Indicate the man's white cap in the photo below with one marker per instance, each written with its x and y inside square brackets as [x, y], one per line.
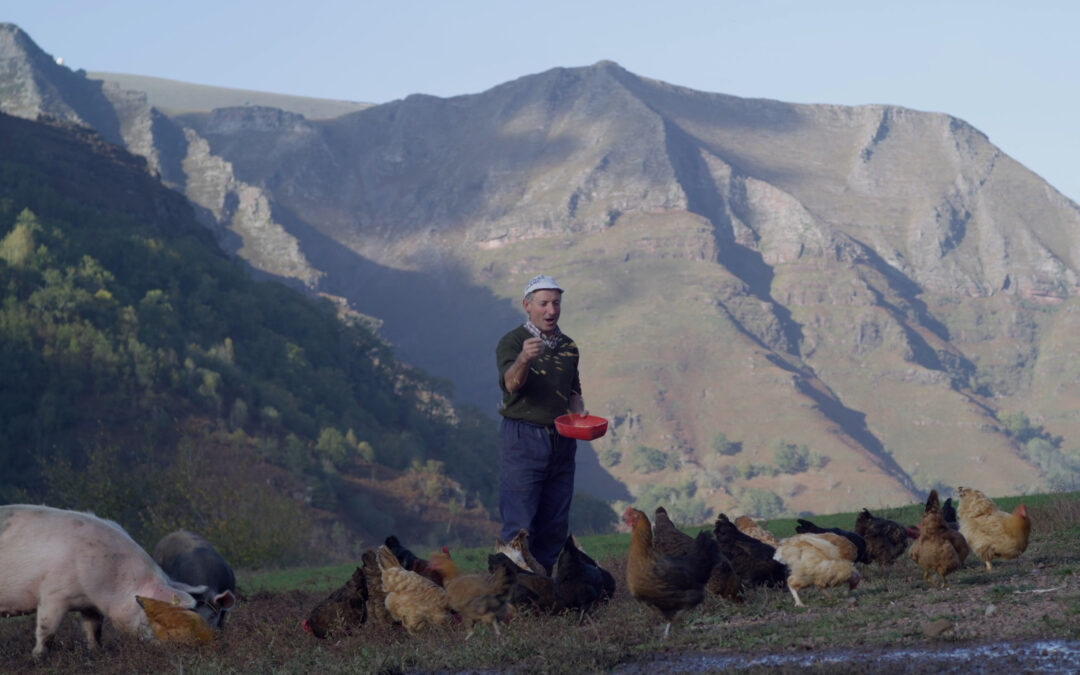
[542, 282]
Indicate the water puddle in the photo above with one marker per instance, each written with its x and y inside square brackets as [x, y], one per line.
[1046, 656]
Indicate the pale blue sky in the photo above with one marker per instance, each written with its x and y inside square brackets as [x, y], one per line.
[1013, 72]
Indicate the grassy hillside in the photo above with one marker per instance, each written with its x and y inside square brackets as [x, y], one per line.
[256, 415]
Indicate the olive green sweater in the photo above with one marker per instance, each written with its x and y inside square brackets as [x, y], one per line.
[553, 377]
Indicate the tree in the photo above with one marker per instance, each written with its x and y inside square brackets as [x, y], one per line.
[723, 446]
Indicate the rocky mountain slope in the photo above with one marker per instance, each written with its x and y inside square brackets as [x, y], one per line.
[855, 298]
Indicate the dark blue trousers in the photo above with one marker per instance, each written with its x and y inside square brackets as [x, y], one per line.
[536, 484]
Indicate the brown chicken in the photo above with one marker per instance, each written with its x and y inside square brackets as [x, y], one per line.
[670, 541]
[939, 548]
[990, 532]
[748, 527]
[376, 597]
[477, 598]
[172, 623]
[532, 592]
[669, 584]
[751, 560]
[823, 560]
[342, 610]
[412, 599]
[886, 540]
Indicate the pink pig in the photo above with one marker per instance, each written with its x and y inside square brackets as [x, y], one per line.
[54, 561]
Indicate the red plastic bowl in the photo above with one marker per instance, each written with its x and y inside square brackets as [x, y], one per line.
[581, 427]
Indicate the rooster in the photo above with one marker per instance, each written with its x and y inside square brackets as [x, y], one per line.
[669, 584]
[344, 608]
[823, 560]
[886, 540]
[748, 527]
[579, 581]
[173, 623]
[477, 598]
[990, 532]
[670, 541]
[532, 591]
[412, 599]
[751, 560]
[807, 527]
[939, 548]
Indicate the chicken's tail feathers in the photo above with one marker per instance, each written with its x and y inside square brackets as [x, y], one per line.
[932, 502]
[386, 559]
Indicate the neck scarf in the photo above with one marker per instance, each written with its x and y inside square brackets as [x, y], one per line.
[549, 342]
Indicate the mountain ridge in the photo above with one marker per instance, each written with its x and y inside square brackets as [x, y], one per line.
[870, 282]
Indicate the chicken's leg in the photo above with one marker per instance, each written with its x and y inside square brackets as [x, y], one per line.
[795, 594]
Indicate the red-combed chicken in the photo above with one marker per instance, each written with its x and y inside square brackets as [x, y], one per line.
[669, 584]
[823, 560]
[990, 532]
[748, 527]
[477, 598]
[412, 599]
[172, 623]
[939, 549]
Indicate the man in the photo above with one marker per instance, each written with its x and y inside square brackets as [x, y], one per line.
[538, 375]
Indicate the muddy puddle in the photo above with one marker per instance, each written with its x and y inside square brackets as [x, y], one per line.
[1046, 656]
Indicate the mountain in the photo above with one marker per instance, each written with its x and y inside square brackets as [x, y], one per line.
[179, 98]
[781, 307]
[151, 379]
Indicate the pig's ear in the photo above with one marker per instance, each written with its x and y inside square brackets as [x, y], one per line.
[225, 600]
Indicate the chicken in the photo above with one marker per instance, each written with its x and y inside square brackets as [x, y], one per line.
[824, 560]
[172, 623]
[748, 527]
[477, 598]
[376, 597]
[532, 591]
[886, 540]
[412, 562]
[939, 548]
[807, 527]
[669, 584]
[343, 609]
[990, 532]
[948, 512]
[412, 599]
[670, 541]
[751, 560]
[512, 554]
[520, 543]
[579, 581]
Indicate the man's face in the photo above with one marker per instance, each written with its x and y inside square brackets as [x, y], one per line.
[544, 309]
